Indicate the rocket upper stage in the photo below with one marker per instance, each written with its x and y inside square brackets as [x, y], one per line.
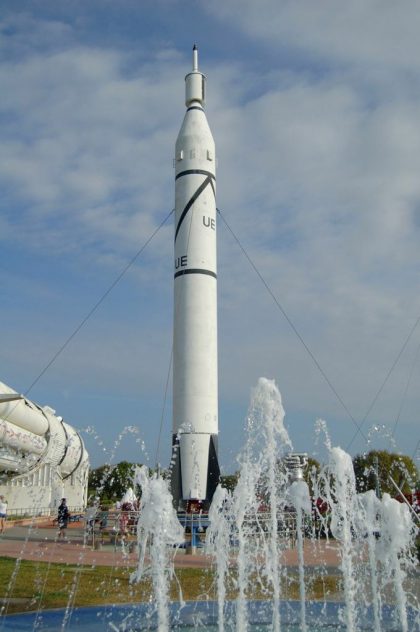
[195, 183]
[195, 387]
[195, 83]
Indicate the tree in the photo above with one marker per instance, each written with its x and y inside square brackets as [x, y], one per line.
[229, 481]
[110, 482]
[401, 468]
[311, 472]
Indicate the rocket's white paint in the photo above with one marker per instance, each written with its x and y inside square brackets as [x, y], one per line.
[195, 387]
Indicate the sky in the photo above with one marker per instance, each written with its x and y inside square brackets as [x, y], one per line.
[314, 108]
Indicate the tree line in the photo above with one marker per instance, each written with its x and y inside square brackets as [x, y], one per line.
[374, 470]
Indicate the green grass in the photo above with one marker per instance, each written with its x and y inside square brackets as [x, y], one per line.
[45, 586]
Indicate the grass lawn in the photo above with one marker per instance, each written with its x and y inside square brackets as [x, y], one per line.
[41, 586]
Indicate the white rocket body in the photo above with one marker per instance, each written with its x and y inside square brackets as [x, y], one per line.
[31, 435]
[195, 386]
[42, 458]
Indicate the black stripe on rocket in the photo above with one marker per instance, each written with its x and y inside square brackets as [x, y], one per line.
[195, 271]
[189, 172]
[198, 192]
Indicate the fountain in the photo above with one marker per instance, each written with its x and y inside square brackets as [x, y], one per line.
[250, 531]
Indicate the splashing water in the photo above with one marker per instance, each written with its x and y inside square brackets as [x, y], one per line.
[397, 536]
[341, 497]
[250, 516]
[218, 544]
[299, 496]
[158, 528]
[247, 539]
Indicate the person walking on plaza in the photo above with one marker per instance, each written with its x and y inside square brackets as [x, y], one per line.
[3, 513]
[62, 518]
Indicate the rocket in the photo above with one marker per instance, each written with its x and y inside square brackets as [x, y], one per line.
[195, 467]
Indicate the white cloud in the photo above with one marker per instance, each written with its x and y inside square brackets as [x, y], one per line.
[324, 194]
[361, 32]
[82, 134]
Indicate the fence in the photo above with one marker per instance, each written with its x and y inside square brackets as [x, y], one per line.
[38, 512]
[125, 522]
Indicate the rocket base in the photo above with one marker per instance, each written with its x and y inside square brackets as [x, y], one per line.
[185, 491]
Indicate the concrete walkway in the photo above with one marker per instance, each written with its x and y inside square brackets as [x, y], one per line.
[39, 543]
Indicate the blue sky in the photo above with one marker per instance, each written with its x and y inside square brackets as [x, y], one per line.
[314, 109]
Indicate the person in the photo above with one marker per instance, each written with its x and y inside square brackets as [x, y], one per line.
[103, 520]
[62, 518]
[90, 516]
[3, 513]
[123, 519]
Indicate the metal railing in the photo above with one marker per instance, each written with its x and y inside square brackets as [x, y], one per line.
[118, 525]
[38, 512]
[259, 524]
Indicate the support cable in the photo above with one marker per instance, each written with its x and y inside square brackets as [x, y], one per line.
[416, 357]
[98, 303]
[162, 416]
[416, 453]
[384, 382]
[293, 327]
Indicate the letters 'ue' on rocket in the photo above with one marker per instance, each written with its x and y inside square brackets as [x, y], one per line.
[195, 466]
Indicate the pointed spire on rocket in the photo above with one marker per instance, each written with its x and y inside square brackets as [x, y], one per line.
[195, 58]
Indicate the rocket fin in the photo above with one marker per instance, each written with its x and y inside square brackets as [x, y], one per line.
[176, 474]
[213, 471]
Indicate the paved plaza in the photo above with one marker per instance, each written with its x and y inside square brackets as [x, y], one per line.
[39, 542]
